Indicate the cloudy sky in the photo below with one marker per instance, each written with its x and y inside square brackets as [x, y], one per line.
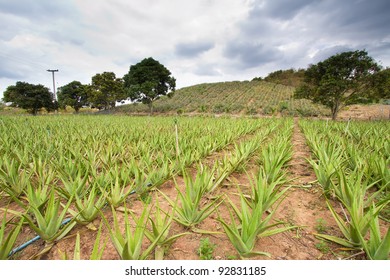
[198, 41]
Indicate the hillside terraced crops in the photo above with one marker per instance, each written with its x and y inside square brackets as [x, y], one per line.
[110, 187]
[255, 97]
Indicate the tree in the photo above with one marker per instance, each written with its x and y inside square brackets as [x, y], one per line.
[105, 90]
[380, 85]
[74, 94]
[30, 97]
[289, 77]
[340, 80]
[147, 81]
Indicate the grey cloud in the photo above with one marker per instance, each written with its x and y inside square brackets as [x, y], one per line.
[37, 9]
[9, 73]
[193, 49]
[359, 20]
[251, 54]
[328, 52]
[280, 9]
[59, 21]
[206, 70]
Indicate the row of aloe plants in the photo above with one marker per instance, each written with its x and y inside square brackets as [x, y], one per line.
[354, 171]
[252, 220]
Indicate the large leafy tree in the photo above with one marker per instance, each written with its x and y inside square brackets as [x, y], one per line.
[340, 80]
[74, 94]
[30, 97]
[105, 89]
[147, 81]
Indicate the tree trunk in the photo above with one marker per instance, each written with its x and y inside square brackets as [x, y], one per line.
[335, 110]
[150, 108]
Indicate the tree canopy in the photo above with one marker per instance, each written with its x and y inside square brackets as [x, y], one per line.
[74, 94]
[380, 85]
[289, 77]
[106, 88]
[30, 97]
[147, 81]
[340, 80]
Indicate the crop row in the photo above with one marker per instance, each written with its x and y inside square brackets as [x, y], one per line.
[351, 161]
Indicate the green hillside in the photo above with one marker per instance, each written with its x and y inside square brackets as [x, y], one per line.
[247, 97]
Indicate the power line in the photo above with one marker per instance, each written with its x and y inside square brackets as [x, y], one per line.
[21, 60]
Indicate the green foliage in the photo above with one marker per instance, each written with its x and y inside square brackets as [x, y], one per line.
[48, 223]
[147, 81]
[88, 206]
[13, 177]
[321, 225]
[323, 247]
[105, 89]
[96, 253]
[380, 85]
[7, 242]
[30, 97]
[251, 225]
[190, 211]
[289, 77]
[129, 244]
[74, 94]
[206, 249]
[161, 223]
[338, 80]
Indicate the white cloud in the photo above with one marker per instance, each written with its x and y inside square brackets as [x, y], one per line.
[198, 41]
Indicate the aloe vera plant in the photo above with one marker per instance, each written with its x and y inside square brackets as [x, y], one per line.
[274, 158]
[73, 186]
[37, 196]
[376, 248]
[13, 177]
[7, 242]
[88, 207]
[117, 193]
[129, 244]
[49, 223]
[263, 192]
[189, 211]
[356, 222]
[161, 223]
[97, 251]
[244, 234]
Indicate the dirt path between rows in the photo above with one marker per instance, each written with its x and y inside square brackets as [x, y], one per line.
[304, 207]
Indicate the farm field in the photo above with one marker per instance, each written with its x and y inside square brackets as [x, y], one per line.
[119, 187]
[237, 97]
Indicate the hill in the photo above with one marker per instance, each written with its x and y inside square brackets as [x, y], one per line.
[246, 97]
[289, 77]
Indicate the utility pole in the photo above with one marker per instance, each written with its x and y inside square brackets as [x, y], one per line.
[54, 84]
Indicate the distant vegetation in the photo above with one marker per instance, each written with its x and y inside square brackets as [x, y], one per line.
[247, 97]
[289, 77]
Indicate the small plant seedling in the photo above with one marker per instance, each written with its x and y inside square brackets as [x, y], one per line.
[323, 247]
[206, 249]
[321, 226]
